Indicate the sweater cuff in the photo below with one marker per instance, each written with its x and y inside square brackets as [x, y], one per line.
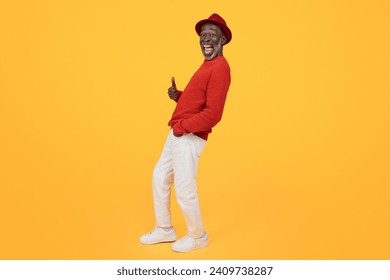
[179, 129]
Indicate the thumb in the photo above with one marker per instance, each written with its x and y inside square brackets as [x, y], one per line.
[173, 82]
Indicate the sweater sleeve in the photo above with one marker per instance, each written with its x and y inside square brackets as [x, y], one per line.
[217, 90]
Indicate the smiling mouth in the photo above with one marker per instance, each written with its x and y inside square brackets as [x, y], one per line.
[208, 49]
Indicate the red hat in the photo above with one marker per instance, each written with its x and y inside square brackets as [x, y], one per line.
[217, 20]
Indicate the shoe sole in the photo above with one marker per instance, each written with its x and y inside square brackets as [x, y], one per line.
[185, 251]
[162, 241]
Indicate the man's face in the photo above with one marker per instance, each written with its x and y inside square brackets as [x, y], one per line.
[211, 40]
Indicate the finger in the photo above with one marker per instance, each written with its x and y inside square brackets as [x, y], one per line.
[172, 92]
[173, 82]
[172, 95]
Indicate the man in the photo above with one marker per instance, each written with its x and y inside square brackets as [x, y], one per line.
[199, 108]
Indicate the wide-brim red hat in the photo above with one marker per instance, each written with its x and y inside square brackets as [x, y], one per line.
[220, 22]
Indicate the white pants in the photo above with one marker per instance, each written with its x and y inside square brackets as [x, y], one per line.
[178, 165]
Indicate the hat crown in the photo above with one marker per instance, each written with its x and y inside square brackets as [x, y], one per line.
[217, 18]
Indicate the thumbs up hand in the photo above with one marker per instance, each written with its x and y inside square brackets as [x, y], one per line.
[172, 91]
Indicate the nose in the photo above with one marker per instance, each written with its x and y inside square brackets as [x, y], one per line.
[206, 40]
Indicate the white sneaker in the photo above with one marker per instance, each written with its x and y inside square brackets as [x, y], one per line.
[158, 235]
[188, 243]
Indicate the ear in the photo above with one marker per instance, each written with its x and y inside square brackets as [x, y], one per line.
[223, 40]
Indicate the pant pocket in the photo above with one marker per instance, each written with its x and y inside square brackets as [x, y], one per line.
[198, 144]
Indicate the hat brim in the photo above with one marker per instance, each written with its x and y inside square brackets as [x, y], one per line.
[226, 31]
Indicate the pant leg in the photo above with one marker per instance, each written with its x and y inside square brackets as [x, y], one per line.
[162, 181]
[186, 152]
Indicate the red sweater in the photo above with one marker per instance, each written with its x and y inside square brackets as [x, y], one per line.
[200, 106]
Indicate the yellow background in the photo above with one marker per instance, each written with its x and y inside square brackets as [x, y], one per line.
[297, 169]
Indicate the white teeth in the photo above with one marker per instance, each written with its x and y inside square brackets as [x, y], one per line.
[208, 49]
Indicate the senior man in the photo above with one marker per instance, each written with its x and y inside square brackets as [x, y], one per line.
[199, 108]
